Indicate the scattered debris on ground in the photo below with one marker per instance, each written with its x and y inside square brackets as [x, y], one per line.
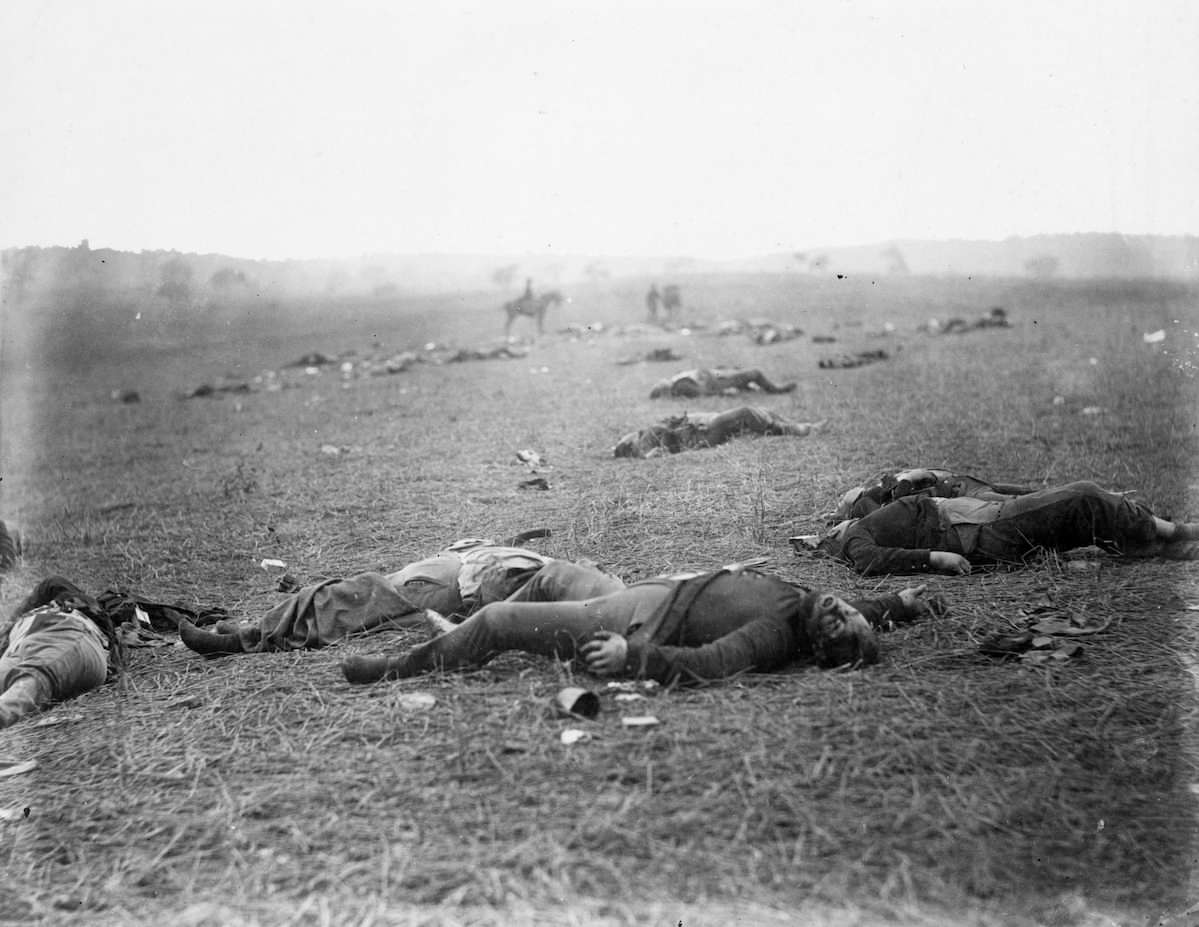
[1045, 633]
[350, 365]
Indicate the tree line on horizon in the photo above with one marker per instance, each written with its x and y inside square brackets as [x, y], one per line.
[183, 278]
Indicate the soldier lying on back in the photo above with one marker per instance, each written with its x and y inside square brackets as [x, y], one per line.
[690, 629]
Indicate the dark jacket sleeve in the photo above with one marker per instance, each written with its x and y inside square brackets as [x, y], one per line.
[762, 645]
[1013, 489]
[868, 557]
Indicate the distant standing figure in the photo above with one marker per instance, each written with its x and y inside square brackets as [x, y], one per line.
[528, 293]
[653, 301]
[672, 301]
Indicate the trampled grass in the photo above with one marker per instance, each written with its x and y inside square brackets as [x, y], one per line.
[938, 787]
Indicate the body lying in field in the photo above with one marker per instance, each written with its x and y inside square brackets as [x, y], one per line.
[996, 317]
[917, 533]
[687, 629]
[693, 430]
[921, 481]
[57, 644]
[716, 381]
[457, 580]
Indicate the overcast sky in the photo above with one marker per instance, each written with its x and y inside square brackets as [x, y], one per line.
[716, 129]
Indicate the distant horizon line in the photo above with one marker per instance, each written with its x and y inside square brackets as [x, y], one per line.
[676, 256]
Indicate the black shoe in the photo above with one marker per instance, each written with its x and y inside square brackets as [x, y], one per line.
[362, 669]
[1184, 531]
[209, 643]
[1180, 550]
[1006, 645]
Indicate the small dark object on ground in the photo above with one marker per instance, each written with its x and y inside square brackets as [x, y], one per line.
[207, 390]
[312, 359]
[531, 535]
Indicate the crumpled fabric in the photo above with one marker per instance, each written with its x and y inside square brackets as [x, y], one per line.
[325, 612]
[458, 580]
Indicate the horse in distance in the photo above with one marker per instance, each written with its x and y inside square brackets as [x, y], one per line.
[532, 306]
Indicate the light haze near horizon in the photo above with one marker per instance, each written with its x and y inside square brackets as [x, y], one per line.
[717, 129]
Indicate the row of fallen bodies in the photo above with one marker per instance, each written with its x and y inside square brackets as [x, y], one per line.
[477, 599]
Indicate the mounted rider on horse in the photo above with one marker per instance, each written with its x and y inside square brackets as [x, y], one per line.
[533, 306]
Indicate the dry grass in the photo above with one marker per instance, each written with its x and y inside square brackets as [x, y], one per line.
[939, 787]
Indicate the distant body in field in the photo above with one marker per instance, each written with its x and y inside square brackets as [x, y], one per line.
[693, 430]
[996, 317]
[716, 381]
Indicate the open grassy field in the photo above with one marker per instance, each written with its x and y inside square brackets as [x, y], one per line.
[938, 787]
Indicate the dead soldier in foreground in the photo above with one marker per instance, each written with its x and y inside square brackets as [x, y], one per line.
[923, 532]
[691, 629]
[922, 481]
[457, 580]
[57, 644]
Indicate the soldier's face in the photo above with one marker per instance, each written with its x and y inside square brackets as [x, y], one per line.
[840, 634]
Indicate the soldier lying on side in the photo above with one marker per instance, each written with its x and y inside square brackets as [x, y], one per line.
[919, 532]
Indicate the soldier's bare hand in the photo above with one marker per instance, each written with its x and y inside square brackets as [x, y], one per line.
[605, 654]
[946, 562]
